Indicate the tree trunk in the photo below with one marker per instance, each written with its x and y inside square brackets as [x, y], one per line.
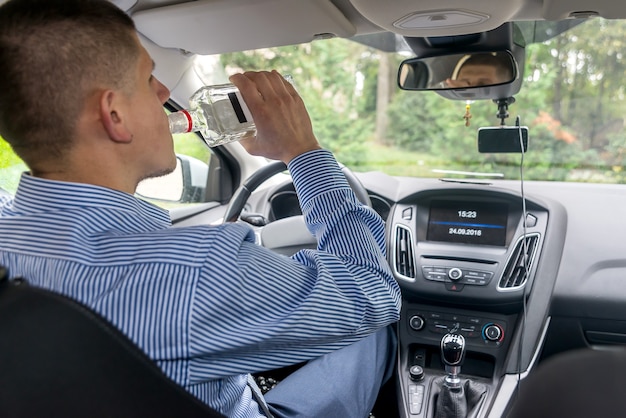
[383, 97]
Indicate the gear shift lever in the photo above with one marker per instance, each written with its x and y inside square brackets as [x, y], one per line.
[457, 399]
[453, 353]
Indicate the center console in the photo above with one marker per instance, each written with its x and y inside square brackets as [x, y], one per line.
[465, 260]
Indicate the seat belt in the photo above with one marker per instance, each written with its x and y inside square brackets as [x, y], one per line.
[258, 396]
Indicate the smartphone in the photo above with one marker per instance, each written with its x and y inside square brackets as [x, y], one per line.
[495, 139]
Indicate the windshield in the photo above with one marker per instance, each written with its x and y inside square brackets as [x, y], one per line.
[572, 100]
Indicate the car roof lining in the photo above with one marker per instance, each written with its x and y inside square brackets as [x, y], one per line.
[209, 26]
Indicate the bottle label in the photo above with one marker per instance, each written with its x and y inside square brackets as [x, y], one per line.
[239, 106]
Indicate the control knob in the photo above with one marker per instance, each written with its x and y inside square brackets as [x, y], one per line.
[455, 273]
[493, 332]
[417, 322]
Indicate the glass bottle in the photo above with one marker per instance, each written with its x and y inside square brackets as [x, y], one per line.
[218, 112]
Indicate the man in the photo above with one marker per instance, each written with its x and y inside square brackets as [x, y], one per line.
[484, 69]
[79, 104]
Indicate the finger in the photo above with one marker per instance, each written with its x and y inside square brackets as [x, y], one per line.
[248, 89]
[281, 85]
[263, 82]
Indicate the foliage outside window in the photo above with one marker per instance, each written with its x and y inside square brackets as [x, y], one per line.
[11, 167]
[572, 99]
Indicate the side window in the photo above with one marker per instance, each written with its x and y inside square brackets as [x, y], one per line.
[11, 168]
[187, 184]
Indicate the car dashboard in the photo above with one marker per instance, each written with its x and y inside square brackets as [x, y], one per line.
[465, 256]
[522, 271]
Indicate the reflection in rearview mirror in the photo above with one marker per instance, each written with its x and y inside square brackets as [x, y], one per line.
[457, 71]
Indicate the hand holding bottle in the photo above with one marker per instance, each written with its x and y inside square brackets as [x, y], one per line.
[283, 125]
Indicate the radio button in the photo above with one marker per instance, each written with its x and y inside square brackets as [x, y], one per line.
[477, 277]
[437, 274]
[455, 273]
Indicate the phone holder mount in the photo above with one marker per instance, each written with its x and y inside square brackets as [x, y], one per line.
[503, 139]
[503, 108]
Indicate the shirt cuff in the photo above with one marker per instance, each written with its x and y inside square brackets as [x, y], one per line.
[314, 173]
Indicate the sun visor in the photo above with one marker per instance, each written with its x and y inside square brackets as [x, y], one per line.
[218, 26]
[170, 64]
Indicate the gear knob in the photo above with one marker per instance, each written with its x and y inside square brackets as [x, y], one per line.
[453, 349]
[452, 354]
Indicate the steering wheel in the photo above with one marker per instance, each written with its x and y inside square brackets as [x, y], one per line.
[288, 235]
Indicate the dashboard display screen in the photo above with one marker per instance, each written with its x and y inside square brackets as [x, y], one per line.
[468, 222]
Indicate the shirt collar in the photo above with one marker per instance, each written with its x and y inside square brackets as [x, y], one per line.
[36, 195]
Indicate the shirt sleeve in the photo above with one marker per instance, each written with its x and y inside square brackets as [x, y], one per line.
[255, 310]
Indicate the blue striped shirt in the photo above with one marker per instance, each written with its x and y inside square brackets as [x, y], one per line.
[194, 298]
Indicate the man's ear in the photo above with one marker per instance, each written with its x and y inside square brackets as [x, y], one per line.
[113, 117]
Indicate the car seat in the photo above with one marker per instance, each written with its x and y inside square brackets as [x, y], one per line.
[60, 359]
[580, 383]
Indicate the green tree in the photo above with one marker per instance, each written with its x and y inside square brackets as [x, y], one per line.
[11, 167]
[329, 76]
[561, 78]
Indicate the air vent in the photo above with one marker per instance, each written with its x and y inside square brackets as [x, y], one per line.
[404, 253]
[519, 265]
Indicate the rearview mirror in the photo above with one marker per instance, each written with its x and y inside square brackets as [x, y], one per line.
[466, 71]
